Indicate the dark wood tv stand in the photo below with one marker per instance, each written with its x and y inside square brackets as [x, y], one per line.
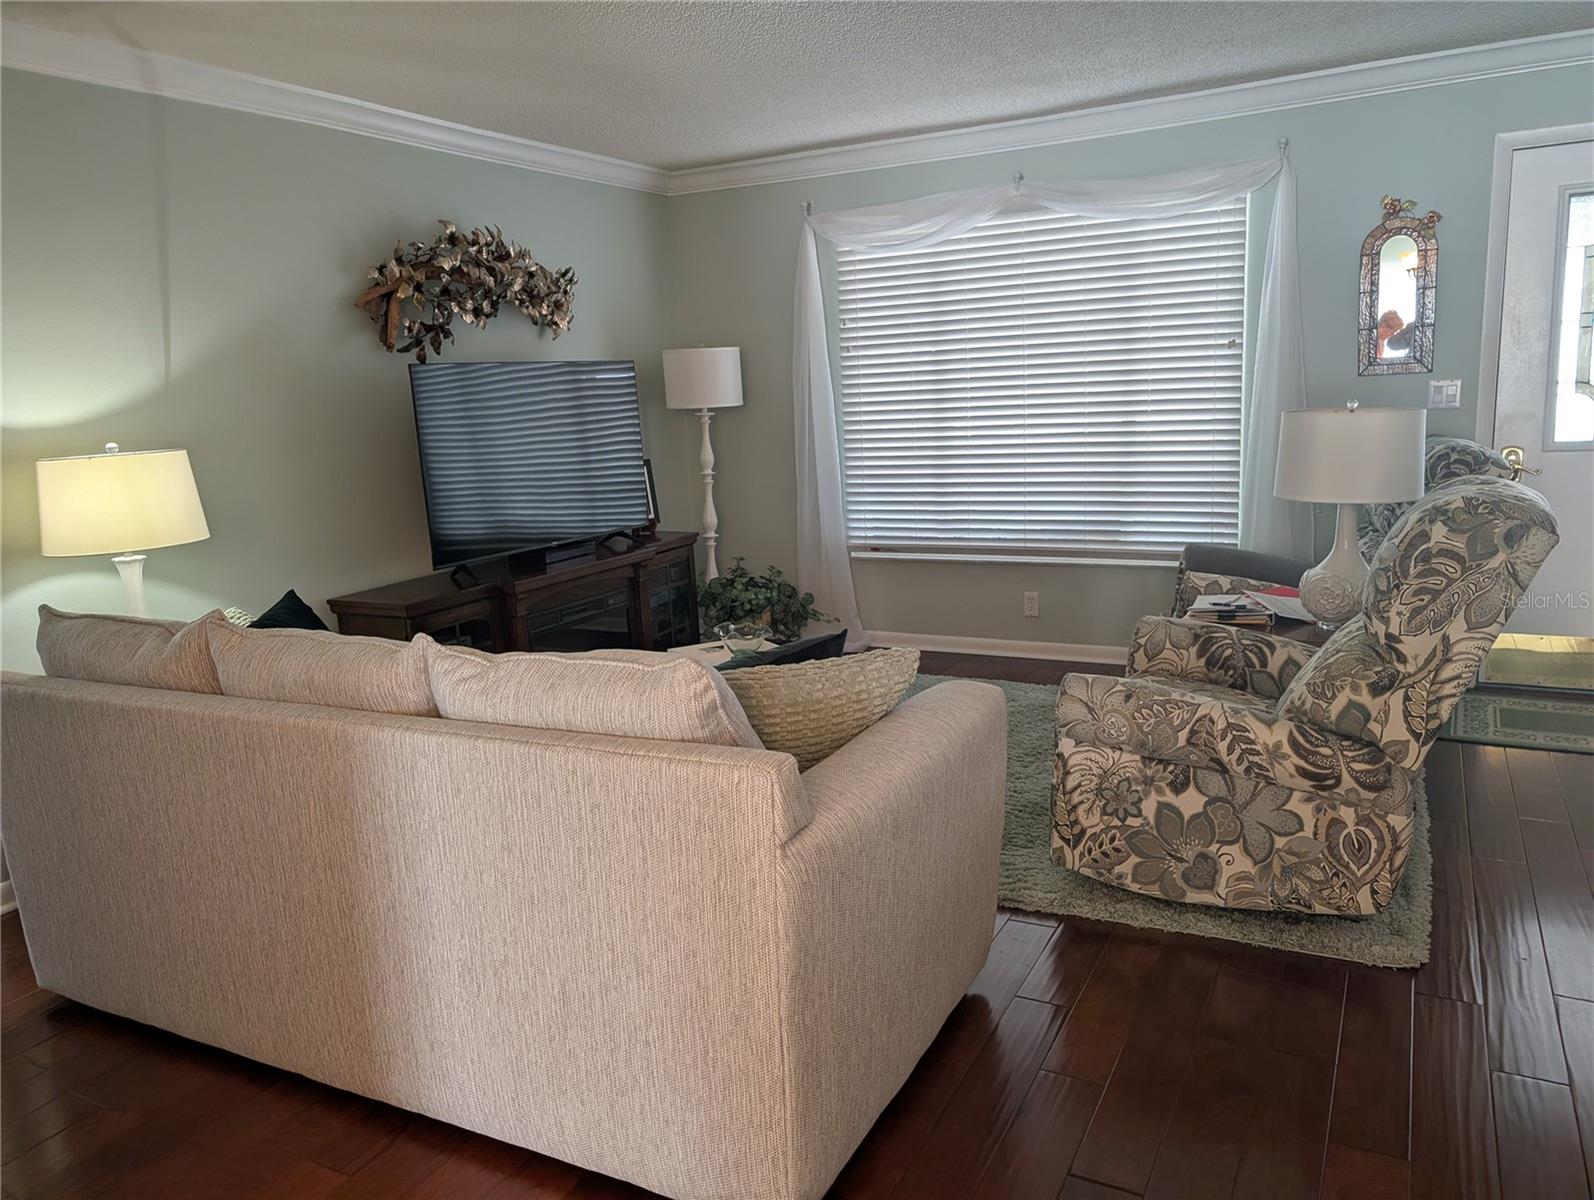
[641, 596]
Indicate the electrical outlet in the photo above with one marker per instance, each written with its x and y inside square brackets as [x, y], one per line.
[1032, 604]
[1444, 393]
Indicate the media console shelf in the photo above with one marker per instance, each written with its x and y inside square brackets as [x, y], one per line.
[641, 597]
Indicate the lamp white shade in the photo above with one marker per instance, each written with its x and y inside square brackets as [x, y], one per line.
[113, 503]
[1351, 456]
[704, 377]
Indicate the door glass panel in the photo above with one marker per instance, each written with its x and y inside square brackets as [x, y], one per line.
[1573, 400]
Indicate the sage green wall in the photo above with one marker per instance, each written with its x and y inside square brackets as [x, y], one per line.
[181, 275]
[734, 252]
[176, 274]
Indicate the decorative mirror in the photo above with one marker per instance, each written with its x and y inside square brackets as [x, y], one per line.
[1400, 267]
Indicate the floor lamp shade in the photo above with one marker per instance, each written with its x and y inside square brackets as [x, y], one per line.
[119, 504]
[1347, 456]
[704, 377]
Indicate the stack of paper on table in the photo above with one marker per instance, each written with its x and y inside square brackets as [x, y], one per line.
[1282, 602]
[1230, 610]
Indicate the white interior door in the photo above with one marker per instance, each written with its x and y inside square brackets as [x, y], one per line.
[1541, 405]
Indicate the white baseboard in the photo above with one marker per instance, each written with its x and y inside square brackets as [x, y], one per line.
[8, 897]
[1002, 647]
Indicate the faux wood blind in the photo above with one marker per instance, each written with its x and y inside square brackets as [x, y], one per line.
[1046, 382]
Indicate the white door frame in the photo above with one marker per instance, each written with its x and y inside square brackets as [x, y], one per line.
[1505, 145]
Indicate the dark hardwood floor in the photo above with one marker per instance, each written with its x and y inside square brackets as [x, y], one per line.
[1087, 1062]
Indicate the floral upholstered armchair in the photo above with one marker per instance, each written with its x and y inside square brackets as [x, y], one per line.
[1235, 768]
[1212, 570]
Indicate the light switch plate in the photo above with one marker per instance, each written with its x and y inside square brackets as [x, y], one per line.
[1444, 393]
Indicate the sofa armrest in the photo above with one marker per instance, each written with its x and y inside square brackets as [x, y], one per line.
[886, 768]
[1213, 559]
[1236, 657]
[1153, 717]
[886, 905]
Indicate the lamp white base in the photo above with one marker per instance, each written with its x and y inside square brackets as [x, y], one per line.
[1332, 590]
[711, 520]
[131, 568]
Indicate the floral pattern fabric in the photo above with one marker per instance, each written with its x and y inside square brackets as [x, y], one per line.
[1207, 837]
[1204, 725]
[1237, 769]
[1441, 588]
[1187, 585]
[1194, 792]
[1446, 459]
[1258, 664]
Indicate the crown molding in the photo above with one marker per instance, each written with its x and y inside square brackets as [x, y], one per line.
[1162, 112]
[108, 64]
[90, 60]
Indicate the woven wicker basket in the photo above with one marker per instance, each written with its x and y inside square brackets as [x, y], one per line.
[810, 710]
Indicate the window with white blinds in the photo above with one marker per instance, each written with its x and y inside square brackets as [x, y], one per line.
[1046, 383]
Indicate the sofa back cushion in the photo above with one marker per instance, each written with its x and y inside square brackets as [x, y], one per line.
[623, 693]
[135, 651]
[302, 666]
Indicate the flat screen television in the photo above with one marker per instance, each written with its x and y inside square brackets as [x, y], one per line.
[516, 456]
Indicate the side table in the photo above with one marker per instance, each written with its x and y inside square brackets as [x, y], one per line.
[1299, 631]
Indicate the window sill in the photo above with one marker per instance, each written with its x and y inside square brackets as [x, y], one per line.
[1032, 558]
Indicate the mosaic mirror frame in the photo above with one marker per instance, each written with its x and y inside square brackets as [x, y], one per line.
[1399, 221]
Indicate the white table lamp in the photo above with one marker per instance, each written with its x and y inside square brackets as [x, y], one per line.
[1347, 456]
[118, 504]
[702, 380]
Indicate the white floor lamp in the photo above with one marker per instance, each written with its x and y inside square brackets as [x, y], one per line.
[115, 503]
[703, 379]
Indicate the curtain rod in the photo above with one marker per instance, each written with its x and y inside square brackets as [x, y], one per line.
[1018, 178]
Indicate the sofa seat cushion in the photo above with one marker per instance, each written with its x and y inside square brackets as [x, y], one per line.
[302, 666]
[622, 693]
[135, 651]
[810, 710]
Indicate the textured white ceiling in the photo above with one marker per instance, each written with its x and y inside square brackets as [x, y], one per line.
[676, 83]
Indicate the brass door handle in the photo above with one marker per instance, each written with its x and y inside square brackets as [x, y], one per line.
[1513, 455]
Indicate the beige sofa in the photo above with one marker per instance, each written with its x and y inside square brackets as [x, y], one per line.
[683, 965]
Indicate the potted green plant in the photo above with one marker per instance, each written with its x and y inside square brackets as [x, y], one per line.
[770, 599]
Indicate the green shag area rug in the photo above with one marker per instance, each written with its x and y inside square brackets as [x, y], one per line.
[1396, 937]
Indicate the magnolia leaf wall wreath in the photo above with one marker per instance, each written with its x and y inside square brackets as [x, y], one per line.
[417, 293]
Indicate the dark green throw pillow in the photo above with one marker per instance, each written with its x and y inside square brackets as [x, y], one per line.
[824, 645]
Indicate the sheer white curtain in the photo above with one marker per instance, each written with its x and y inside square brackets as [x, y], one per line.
[1277, 383]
